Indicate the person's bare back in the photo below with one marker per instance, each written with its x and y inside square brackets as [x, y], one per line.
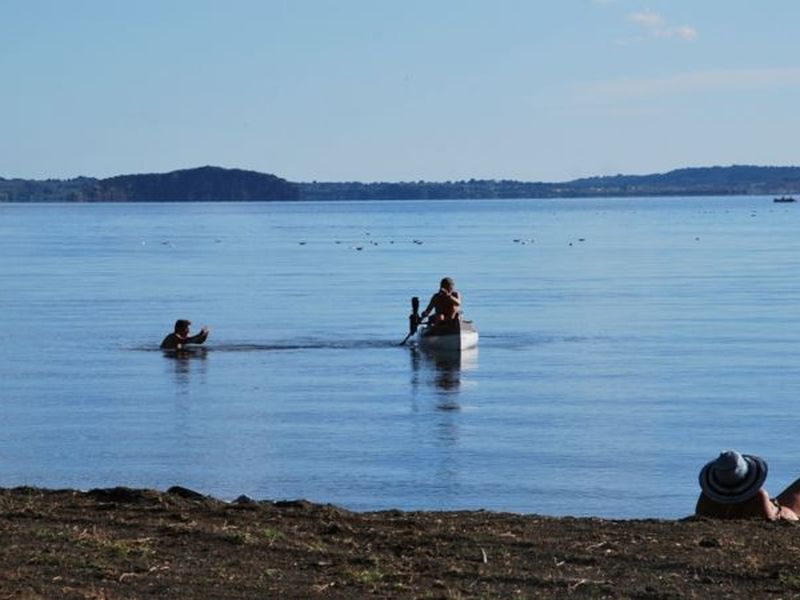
[446, 302]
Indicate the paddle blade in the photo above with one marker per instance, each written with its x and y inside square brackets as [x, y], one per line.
[413, 319]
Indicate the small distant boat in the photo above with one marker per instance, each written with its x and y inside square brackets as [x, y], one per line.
[454, 335]
[784, 199]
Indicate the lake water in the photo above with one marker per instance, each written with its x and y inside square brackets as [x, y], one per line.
[624, 342]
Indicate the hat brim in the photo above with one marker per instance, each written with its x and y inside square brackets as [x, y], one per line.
[756, 475]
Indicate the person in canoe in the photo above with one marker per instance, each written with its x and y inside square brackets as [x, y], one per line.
[179, 338]
[445, 304]
[732, 488]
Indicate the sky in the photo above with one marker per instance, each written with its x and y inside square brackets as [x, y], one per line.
[375, 90]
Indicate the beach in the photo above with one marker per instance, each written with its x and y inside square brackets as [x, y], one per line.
[135, 543]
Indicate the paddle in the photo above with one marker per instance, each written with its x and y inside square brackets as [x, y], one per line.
[413, 319]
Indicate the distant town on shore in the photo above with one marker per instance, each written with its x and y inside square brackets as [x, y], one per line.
[217, 184]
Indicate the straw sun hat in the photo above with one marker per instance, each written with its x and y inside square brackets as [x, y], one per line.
[733, 477]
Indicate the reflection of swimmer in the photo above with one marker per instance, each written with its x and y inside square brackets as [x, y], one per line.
[178, 339]
[186, 365]
[187, 352]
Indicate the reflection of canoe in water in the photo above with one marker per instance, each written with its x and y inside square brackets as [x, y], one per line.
[448, 335]
[450, 360]
[444, 369]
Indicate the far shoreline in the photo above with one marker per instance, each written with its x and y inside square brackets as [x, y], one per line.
[218, 184]
[643, 197]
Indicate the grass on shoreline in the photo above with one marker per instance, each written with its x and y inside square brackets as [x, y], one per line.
[124, 543]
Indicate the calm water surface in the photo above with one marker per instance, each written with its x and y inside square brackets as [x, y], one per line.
[624, 343]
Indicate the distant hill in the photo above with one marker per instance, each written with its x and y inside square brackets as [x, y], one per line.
[206, 184]
[737, 179]
[710, 181]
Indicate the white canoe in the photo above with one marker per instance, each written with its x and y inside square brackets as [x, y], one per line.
[450, 335]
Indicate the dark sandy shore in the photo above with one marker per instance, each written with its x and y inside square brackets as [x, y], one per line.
[124, 543]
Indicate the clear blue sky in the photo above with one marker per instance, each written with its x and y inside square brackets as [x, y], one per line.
[336, 90]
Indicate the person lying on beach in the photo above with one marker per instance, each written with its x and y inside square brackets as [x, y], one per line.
[446, 302]
[732, 488]
[178, 339]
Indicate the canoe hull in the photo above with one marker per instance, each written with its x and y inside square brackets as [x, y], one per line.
[452, 335]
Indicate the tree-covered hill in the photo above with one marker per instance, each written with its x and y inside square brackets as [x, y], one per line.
[203, 184]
